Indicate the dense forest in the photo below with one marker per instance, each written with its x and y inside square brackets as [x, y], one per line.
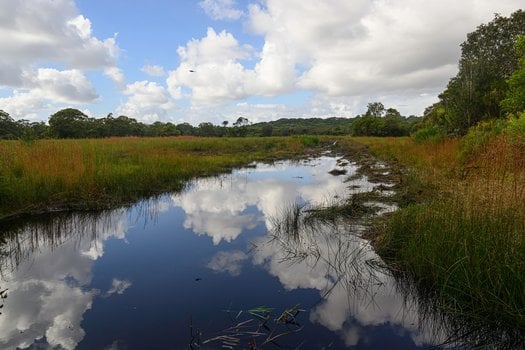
[489, 87]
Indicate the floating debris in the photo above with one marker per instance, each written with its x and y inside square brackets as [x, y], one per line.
[337, 172]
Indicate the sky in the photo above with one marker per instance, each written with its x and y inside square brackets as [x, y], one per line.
[218, 60]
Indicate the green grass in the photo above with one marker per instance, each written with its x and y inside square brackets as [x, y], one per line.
[465, 238]
[473, 257]
[49, 175]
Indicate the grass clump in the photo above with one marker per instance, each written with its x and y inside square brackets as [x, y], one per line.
[309, 141]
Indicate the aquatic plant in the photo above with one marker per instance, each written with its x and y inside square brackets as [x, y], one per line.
[253, 329]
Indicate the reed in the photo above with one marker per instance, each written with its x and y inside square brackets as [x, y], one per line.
[48, 175]
[468, 239]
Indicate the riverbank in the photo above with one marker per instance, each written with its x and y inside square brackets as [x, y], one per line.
[56, 175]
[461, 230]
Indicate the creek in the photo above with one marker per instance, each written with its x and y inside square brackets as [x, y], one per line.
[210, 267]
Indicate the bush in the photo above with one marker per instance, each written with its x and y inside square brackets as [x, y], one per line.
[309, 141]
[432, 134]
[480, 135]
[515, 127]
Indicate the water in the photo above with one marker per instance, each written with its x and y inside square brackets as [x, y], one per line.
[182, 268]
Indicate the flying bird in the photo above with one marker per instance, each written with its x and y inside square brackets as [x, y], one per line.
[192, 71]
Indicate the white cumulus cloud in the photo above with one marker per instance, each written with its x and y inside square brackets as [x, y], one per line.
[147, 101]
[35, 31]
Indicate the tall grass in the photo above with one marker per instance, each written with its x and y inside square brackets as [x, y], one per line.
[468, 239]
[59, 174]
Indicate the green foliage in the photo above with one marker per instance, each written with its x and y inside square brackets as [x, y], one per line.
[474, 256]
[299, 126]
[11, 129]
[162, 129]
[431, 133]
[72, 123]
[309, 141]
[120, 126]
[375, 109]
[380, 122]
[186, 129]
[488, 59]
[69, 123]
[8, 127]
[480, 135]
[515, 128]
[515, 98]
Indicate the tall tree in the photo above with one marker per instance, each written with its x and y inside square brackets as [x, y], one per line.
[375, 109]
[8, 127]
[488, 58]
[69, 123]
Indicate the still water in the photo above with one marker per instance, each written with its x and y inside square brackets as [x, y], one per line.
[176, 272]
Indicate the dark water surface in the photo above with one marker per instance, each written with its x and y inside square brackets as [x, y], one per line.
[180, 269]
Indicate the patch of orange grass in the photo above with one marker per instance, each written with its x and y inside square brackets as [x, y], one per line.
[492, 177]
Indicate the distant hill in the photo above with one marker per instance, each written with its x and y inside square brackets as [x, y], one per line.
[299, 126]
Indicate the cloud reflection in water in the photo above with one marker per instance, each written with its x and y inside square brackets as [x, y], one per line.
[49, 273]
[47, 270]
[333, 261]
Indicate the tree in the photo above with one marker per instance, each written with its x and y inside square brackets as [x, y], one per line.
[186, 129]
[241, 121]
[69, 123]
[367, 126]
[394, 124]
[240, 127]
[375, 109]
[515, 98]
[380, 122]
[8, 127]
[206, 129]
[488, 59]
[39, 130]
[123, 126]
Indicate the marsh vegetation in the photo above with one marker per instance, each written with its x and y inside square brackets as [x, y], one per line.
[50, 175]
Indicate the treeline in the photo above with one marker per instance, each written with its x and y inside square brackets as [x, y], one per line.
[490, 83]
[72, 123]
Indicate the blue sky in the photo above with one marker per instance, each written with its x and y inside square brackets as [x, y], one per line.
[260, 59]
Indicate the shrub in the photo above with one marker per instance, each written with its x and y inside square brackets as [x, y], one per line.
[480, 135]
[432, 134]
[515, 127]
[309, 141]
